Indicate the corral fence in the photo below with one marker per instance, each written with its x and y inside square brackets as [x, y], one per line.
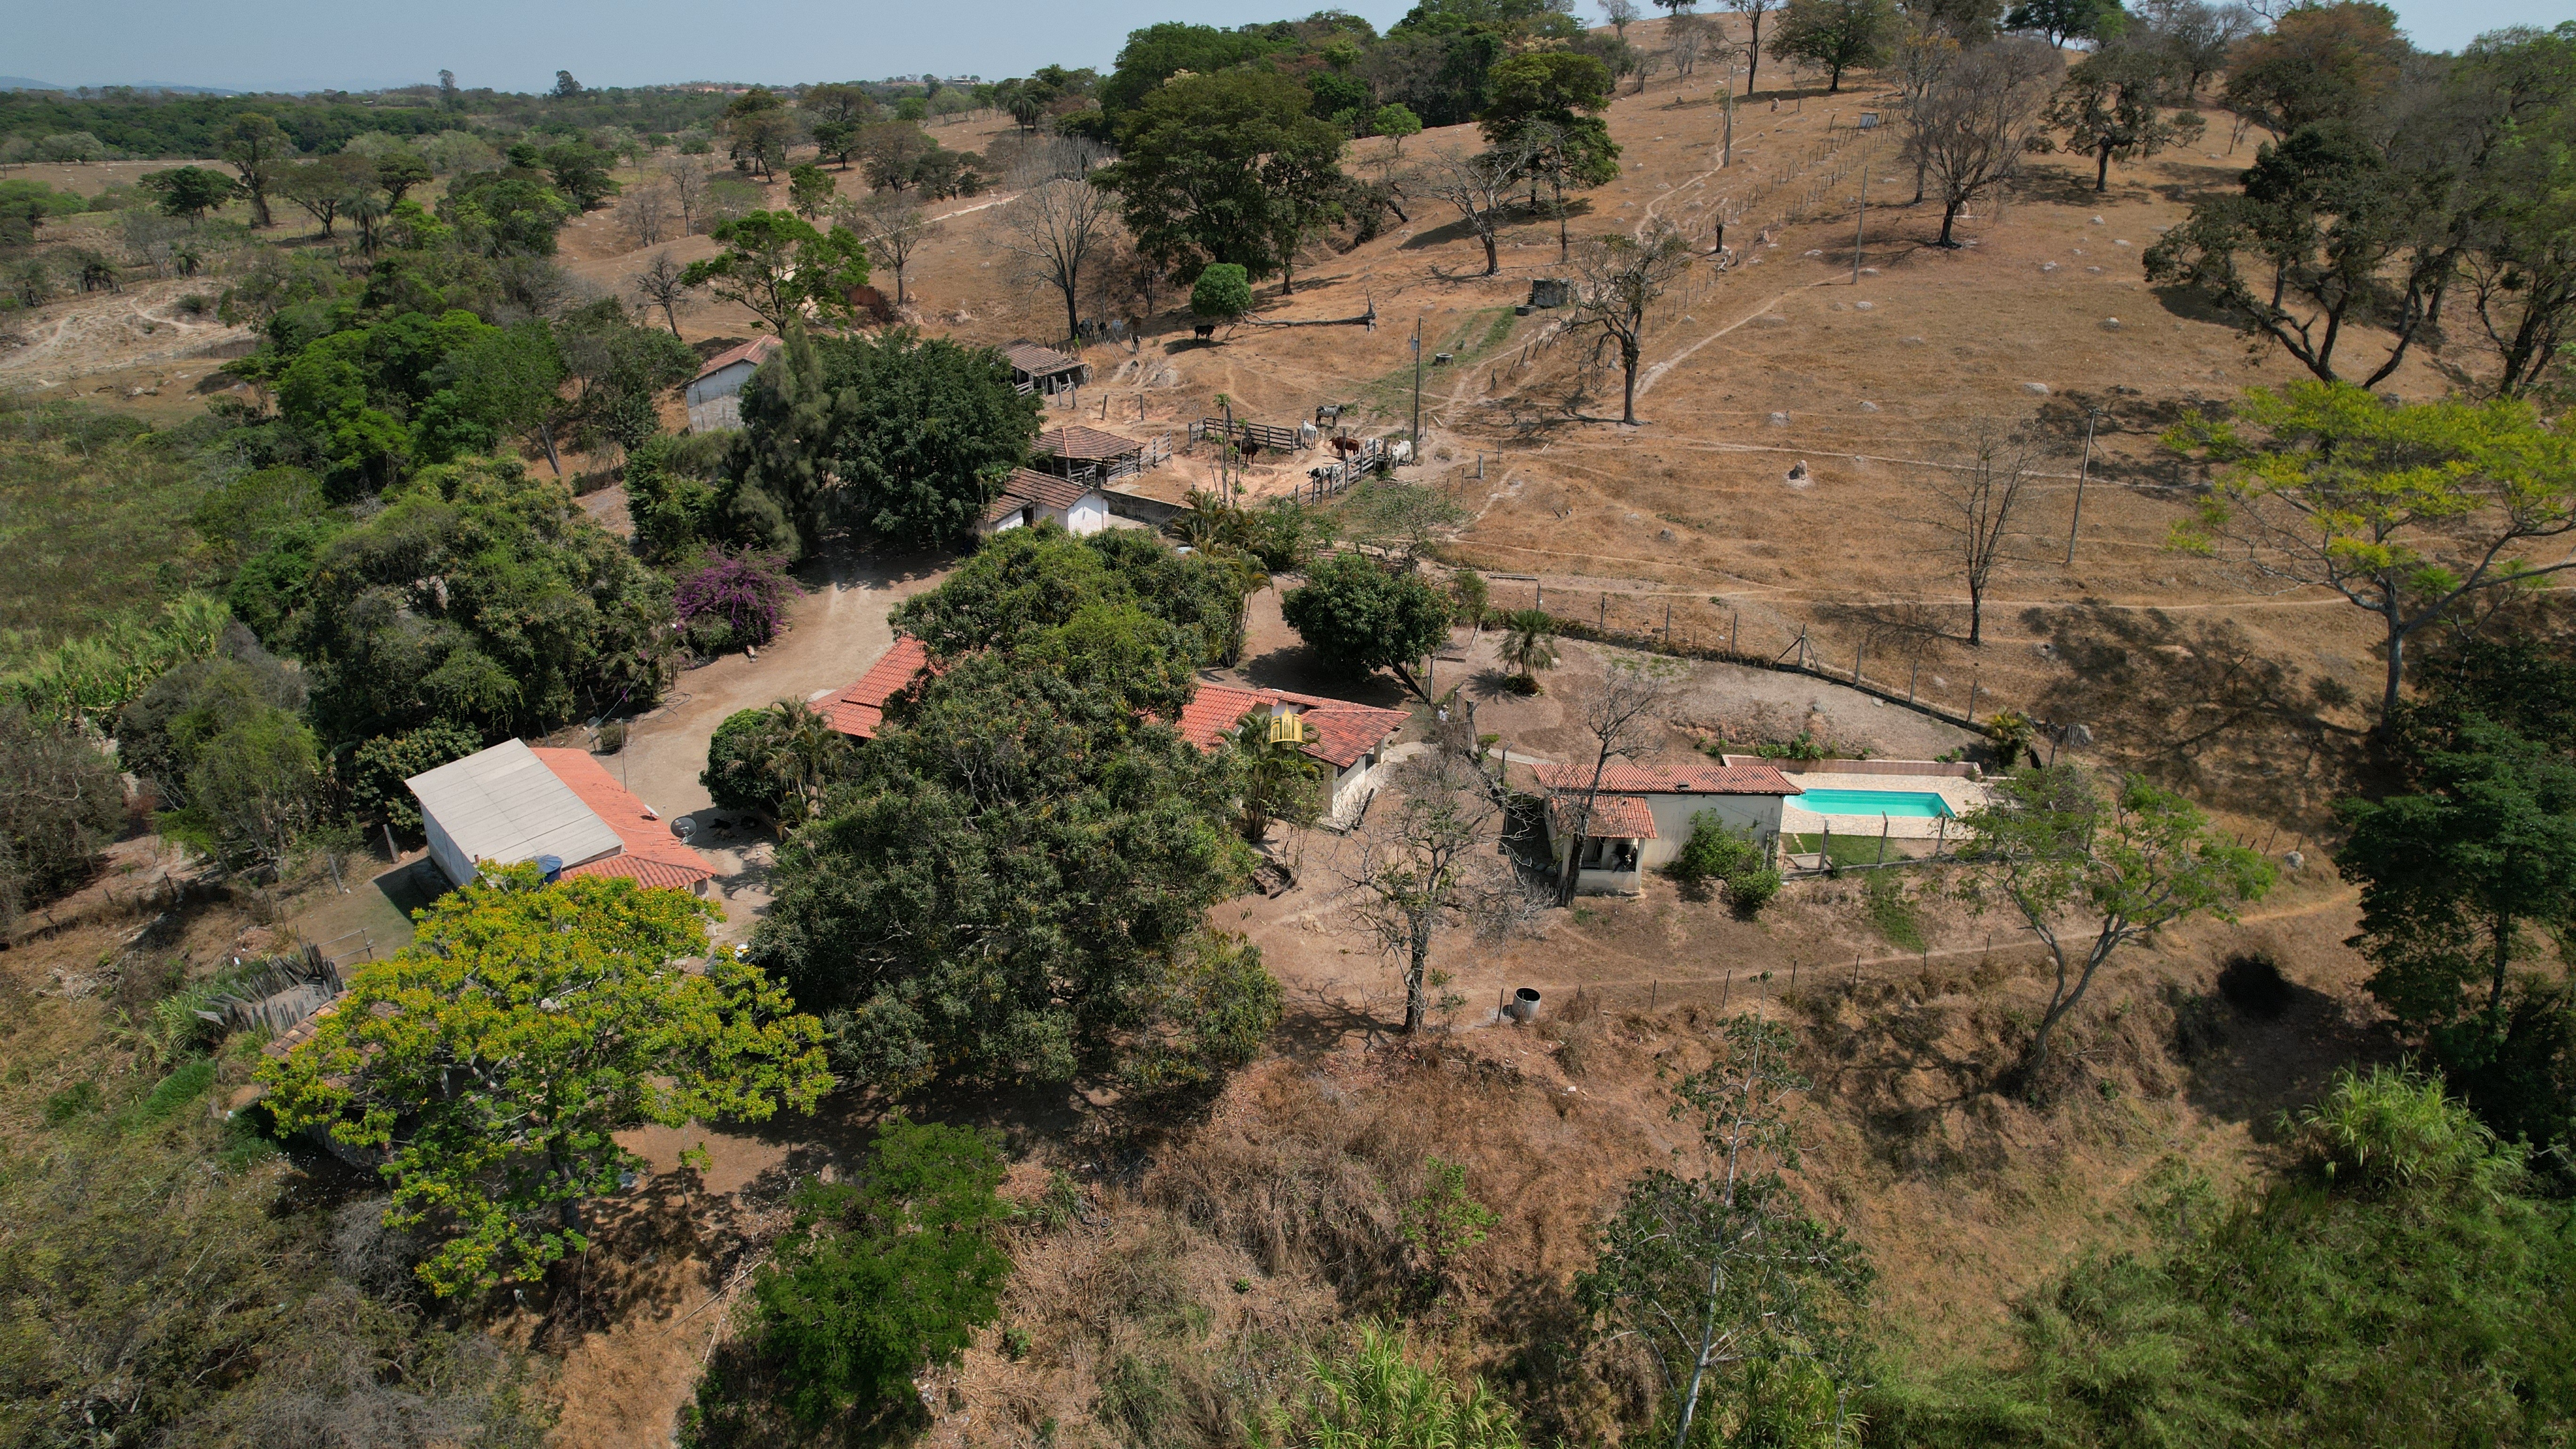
[1254, 437]
[1156, 452]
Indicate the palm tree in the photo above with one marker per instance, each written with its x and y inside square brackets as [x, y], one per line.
[1278, 776]
[806, 753]
[1529, 645]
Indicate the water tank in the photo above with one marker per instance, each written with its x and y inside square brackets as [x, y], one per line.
[550, 868]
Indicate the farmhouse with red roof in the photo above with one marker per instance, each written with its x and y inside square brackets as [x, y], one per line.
[511, 803]
[1642, 816]
[1348, 739]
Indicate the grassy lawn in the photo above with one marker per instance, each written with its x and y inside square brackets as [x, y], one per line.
[1855, 849]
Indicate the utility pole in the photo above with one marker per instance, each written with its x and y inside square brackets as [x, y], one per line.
[1417, 388]
[1726, 154]
[2091, 417]
[1860, 225]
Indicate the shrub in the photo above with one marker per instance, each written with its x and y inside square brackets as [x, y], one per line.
[881, 1277]
[1717, 854]
[1753, 890]
[748, 592]
[612, 737]
[1222, 293]
[60, 803]
[379, 767]
[1375, 1395]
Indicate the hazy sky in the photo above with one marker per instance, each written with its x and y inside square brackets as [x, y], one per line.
[519, 44]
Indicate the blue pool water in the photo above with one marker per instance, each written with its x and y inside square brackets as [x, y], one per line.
[1903, 804]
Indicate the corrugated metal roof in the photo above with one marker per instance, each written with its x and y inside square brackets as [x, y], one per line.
[504, 805]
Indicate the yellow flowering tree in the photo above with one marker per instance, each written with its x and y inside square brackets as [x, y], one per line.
[491, 1062]
[2406, 510]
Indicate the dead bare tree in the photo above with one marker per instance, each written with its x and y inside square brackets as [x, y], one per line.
[688, 180]
[1423, 863]
[1061, 229]
[1478, 187]
[1689, 35]
[1993, 463]
[1622, 714]
[894, 228]
[644, 212]
[1976, 120]
[1617, 281]
[661, 285]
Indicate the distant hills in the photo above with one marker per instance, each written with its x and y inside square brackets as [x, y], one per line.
[23, 83]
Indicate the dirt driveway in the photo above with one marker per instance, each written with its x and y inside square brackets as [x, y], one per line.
[834, 633]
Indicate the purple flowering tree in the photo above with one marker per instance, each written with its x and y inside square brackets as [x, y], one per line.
[749, 592]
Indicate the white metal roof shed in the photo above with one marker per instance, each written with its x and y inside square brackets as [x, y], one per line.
[504, 805]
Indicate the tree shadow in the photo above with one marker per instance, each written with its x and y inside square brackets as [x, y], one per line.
[2198, 707]
[1297, 669]
[2257, 1067]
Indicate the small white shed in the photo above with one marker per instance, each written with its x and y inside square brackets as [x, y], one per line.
[1642, 816]
[1029, 498]
[715, 394]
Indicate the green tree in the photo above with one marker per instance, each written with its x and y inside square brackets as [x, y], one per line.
[378, 768]
[2317, 64]
[1753, 1311]
[1072, 601]
[1156, 53]
[810, 189]
[1839, 35]
[778, 761]
[1280, 780]
[508, 380]
[2396, 1286]
[1223, 293]
[1545, 108]
[190, 191]
[2064, 20]
[255, 147]
[580, 172]
[481, 595]
[1529, 645]
[2457, 877]
[1397, 123]
[512, 212]
[834, 113]
[1012, 886]
[254, 793]
[398, 172]
[2406, 511]
[940, 428]
[1215, 168]
[2111, 105]
[1359, 616]
[2145, 858]
[492, 1060]
[783, 269]
[881, 1276]
[2328, 235]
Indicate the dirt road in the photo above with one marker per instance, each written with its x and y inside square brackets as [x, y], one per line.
[834, 633]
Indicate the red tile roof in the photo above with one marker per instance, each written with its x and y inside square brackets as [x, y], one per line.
[1039, 361]
[1689, 778]
[1045, 490]
[1614, 817]
[754, 352]
[1340, 732]
[1084, 443]
[858, 710]
[652, 854]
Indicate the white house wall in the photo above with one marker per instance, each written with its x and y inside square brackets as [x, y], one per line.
[1673, 814]
[1090, 515]
[442, 849]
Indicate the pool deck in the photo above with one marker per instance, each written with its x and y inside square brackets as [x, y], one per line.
[1962, 796]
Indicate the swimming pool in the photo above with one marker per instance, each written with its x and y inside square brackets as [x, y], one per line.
[1902, 804]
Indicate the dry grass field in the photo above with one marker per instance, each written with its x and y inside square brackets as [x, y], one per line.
[1203, 1252]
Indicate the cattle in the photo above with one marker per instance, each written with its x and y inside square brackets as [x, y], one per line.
[1345, 446]
[1203, 331]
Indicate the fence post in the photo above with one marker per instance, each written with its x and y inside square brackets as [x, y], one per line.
[1882, 837]
[1604, 623]
[1911, 676]
[1857, 651]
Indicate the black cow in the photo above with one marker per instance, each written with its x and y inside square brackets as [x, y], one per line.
[1204, 331]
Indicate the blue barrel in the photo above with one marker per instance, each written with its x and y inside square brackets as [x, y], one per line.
[550, 867]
